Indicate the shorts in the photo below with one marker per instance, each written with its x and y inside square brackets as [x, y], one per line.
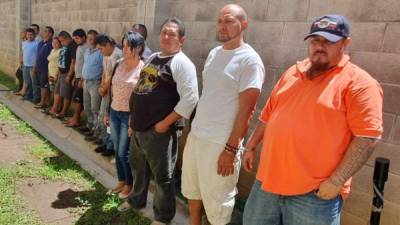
[200, 180]
[43, 80]
[77, 93]
[62, 88]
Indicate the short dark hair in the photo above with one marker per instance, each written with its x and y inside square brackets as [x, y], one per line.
[64, 34]
[51, 30]
[178, 22]
[79, 32]
[35, 25]
[94, 32]
[104, 39]
[30, 30]
[135, 40]
[142, 28]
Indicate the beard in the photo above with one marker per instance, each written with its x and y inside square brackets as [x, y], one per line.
[226, 37]
[319, 62]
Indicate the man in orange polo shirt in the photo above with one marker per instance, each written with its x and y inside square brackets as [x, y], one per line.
[318, 128]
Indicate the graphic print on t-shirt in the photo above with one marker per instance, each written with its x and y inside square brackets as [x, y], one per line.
[148, 79]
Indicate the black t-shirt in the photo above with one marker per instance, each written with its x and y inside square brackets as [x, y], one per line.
[155, 95]
[67, 54]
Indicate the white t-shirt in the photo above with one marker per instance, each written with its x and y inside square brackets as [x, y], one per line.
[226, 74]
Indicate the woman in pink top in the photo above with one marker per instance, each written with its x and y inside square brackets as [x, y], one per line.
[123, 81]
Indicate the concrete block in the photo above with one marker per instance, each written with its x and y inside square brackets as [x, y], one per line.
[349, 8]
[287, 10]
[294, 33]
[350, 219]
[391, 39]
[382, 10]
[265, 32]
[388, 126]
[396, 132]
[390, 151]
[203, 12]
[282, 57]
[362, 181]
[367, 36]
[391, 99]
[358, 204]
[256, 9]
[382, 66]
[203, 31]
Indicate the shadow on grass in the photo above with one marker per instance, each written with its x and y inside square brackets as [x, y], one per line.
[91, 205]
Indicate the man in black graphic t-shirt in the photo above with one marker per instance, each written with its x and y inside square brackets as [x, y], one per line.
[166, 91]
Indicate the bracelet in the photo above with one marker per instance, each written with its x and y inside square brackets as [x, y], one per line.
[231, 147]
[230, 151]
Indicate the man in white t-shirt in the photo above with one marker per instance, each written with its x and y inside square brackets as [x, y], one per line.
[232, 79]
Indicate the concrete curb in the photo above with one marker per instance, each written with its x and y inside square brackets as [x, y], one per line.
[72, 143]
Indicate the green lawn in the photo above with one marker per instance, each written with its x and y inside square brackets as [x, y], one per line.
[93, 206]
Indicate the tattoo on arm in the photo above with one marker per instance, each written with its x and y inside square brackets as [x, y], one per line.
[357, 154]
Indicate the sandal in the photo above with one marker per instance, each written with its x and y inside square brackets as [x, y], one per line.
[124, 207]
[72, 125]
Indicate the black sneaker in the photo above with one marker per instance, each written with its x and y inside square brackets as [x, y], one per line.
[83, 129]
[100, 149]
[90, 138]
[108, 152]
[98, 141]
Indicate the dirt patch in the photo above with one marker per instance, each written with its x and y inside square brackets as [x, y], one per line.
[51, 200]
[13, 145]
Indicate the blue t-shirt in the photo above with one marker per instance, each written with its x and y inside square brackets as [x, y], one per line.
[29, 51]
[44, 49]
[92, 64]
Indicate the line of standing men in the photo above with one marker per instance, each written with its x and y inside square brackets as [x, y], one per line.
[318, 128]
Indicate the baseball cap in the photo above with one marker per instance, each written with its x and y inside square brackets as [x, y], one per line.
[333, 27]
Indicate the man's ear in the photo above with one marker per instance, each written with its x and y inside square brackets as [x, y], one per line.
[182, 40]
[245, 24]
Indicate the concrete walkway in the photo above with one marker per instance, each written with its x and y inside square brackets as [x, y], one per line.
[72, 143]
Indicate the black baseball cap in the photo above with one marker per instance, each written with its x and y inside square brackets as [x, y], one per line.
[333, 27]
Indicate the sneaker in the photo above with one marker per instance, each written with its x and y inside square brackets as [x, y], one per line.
[98, 141]
[90, 138]
[83, 129]
[108, 152]
[100, 149]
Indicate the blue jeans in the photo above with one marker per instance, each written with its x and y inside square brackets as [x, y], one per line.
[36, 87]
[26, 73]
[265, 208]
[119, 134]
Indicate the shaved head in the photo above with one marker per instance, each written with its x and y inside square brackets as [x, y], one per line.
[235, 10]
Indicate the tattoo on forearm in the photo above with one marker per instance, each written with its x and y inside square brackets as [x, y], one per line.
[358, 152]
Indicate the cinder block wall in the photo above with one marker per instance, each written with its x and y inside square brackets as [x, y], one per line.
[276, 31]
[8, 55]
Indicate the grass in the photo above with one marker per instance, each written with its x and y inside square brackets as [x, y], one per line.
[88, 201]
[11, 206]
[7, 81]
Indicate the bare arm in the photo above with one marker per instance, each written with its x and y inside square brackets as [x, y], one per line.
[357, 154]
[247, 103]
[250, 153]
